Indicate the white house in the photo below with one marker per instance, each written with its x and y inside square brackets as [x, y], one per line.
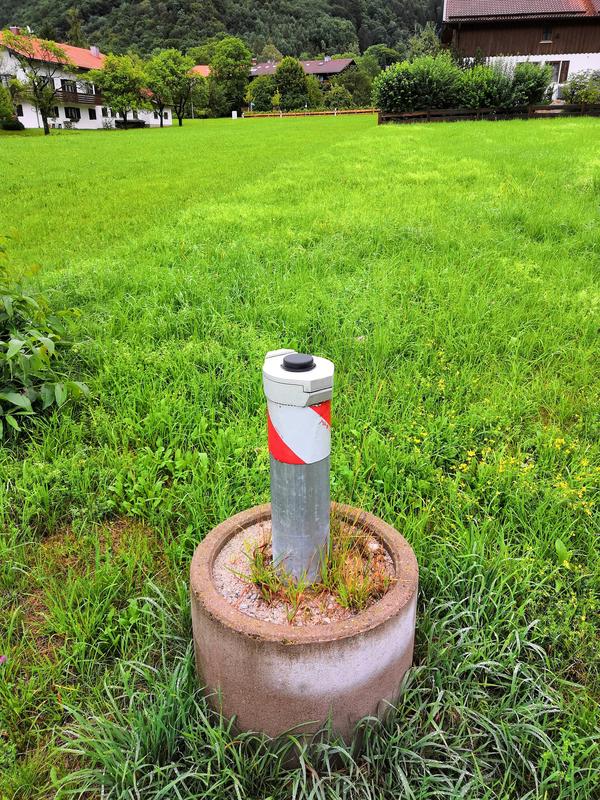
[562, 33]
[78, 103]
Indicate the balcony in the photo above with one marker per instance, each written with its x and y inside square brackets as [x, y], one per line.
[73, 98]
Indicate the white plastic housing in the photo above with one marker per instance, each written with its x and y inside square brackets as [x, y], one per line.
[297, 388]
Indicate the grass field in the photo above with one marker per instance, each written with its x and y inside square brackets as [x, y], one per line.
[452, 274]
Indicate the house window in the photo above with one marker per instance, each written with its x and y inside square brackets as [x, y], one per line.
[105, 111]
[92, 113]
[49, 82]
[135, 115]
[19, 110]
[68, 86]
[555, 70]
[564, 71]
[55, 113]
[166, 115]
[72, 113]
[156, 115]
[546, 33]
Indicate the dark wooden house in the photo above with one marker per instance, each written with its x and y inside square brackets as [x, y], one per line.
[562, 33]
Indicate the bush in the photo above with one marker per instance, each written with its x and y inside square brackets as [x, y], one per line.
[7, 108]
[426, 82]
[531, 83]
[131, 123]
[12, 125]
[438, 82]
[260, 92]
[486, 87]
[31, 340]
[338, 97]
[583, 87]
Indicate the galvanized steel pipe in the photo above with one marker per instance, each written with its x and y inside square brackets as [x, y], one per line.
[299, 388]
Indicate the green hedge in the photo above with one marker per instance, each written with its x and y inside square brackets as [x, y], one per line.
[439, 82]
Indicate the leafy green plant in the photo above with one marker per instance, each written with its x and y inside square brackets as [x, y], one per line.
[426, 82]
[486, 87]
[31, 340]
[260, 91]
[439, 82]
[583, 87]
[338, 97]
[350, 571]
[531, 83]
[291, 84]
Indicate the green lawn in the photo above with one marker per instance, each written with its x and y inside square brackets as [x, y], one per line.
[451, 272]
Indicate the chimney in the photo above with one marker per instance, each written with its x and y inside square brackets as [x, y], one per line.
[15, 29]
[95, 51]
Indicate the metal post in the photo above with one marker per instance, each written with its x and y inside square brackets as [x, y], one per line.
[299, 388]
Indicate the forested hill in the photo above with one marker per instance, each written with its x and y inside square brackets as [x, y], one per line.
[296, 27]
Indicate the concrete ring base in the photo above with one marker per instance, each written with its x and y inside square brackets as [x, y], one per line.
[273, 677]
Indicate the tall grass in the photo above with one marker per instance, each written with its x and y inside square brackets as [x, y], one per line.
[450, 272]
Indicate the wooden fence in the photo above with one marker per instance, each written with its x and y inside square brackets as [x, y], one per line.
[458, 114]
[307, 113]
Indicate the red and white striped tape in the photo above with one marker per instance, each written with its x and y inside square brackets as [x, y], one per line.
[299, 435]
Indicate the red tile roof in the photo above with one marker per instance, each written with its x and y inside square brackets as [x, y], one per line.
[501, 9]
[79, 56]
[201, 69]
[320, 67]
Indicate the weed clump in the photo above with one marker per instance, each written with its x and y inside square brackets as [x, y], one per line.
[355, 572]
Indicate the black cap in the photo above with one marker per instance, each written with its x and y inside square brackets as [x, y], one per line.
[298, 362]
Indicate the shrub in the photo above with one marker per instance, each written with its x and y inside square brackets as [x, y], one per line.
[531, 83]
[260, 92]
[338, 97]
[12, 125]
[7, 108]
[31, 340]
[426, 82]
[583, 87]
[486, 87]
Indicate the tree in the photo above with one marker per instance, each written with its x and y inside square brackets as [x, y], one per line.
[198, 97]
[230, 69]
[203, 53]
[260, 93]
[269, 53]
[338, 97]
[40, 61]
[358, 83]
[170, 81]
[75, 35]
[424, 42]
[291, 84]
[385, 55]
[314, 92]
[121, 80]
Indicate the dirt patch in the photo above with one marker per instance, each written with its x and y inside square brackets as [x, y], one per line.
[318, 605]
[34, 617]
[118, 534]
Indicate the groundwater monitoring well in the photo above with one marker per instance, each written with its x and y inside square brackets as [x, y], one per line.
[325, 661]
